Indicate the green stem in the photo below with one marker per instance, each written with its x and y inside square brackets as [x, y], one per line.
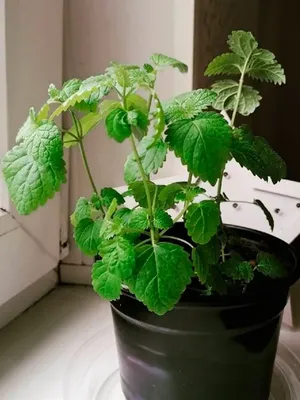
[143, 242]
[147, 191]
[150, 102]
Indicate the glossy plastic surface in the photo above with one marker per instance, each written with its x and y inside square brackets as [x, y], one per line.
[205, 348]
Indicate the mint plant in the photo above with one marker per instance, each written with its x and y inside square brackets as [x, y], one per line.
[134, 246]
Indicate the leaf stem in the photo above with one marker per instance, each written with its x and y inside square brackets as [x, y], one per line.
[179, 240]
[147, 191]
[143, 242]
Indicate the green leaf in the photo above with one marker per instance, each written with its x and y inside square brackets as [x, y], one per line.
[83, 210]
[167, 194]
[202, 221]
[69, 88]
[87, 235]
[204, 256]
[242, 43]
[43, 113]
[202, 144]
[98, 86]
[270, 266]
[255, 154]
[107, 106]
[264, 67]
[139, 194]
[190, 194]
[108, 194]
[162, 220]
[119, 255]
[117, 125]
[28, 128]
[138, 119]
[227, 91]
[228, 63]
[188, 105]
[138, 219]
[267, 213]
[236, 269]
[137, 102]
[160, 276]
[106, 283]
[35, 169]
[215, 281]
[111, 227]
[159, 117]
[152, 157]
[161, 61]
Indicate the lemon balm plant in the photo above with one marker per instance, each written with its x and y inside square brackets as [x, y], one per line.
[143, 250]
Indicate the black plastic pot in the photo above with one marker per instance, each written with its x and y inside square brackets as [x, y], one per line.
[207, 348]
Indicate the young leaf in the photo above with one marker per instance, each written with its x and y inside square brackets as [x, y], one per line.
[83, 210]
[43, 113]
[270, 266]
[139, 193]
[137, 102]
[117, 125]
[167, 194]
[202, 221]
[205, 256]
[69, 88]
[189, 194]
[255, 154]
[119, 255]
[236, 269]
[227, 91]
[138, 219]
[188, 105]
[202, 144]
[159, 117]
[162, 220]
[267, 213]
[87, 235]
[242, 43]
[152, 157]
[106, 283]
[35, 169]
[160, 276]
[108, 194]
[138, 119]
[215, 281]
[229, 63]
[98, 86]
[161, 61]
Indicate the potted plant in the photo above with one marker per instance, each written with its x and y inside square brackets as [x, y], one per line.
[196, 304]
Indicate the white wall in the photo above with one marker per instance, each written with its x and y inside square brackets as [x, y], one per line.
[126, 31]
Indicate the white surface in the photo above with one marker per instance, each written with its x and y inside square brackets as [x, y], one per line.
[37, 350]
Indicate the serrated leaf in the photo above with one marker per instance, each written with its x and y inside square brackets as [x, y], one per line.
[229, 64]
[190, 194]
[270, 266]
[268, 71]
[69, 88]
[98, 86]
[119, 255]
[43, 113]
[227, 91]
[188, 105]
[236, 269]
[160, 276]
[152, 158]
[35, 169]
[139, 193]
[160, 60]
[138, 219]
[202, 221]
[204, 256]
[28, 128]
[167, 194]
[106, 283]
[255, 154]
[242, 43]
[162, 220]
[267, 213]
[138, 119]
[108, 194]
[159, 117]
[83, 210]
[202, 144]
[137, 102]
[117, 126]
[87, 235]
